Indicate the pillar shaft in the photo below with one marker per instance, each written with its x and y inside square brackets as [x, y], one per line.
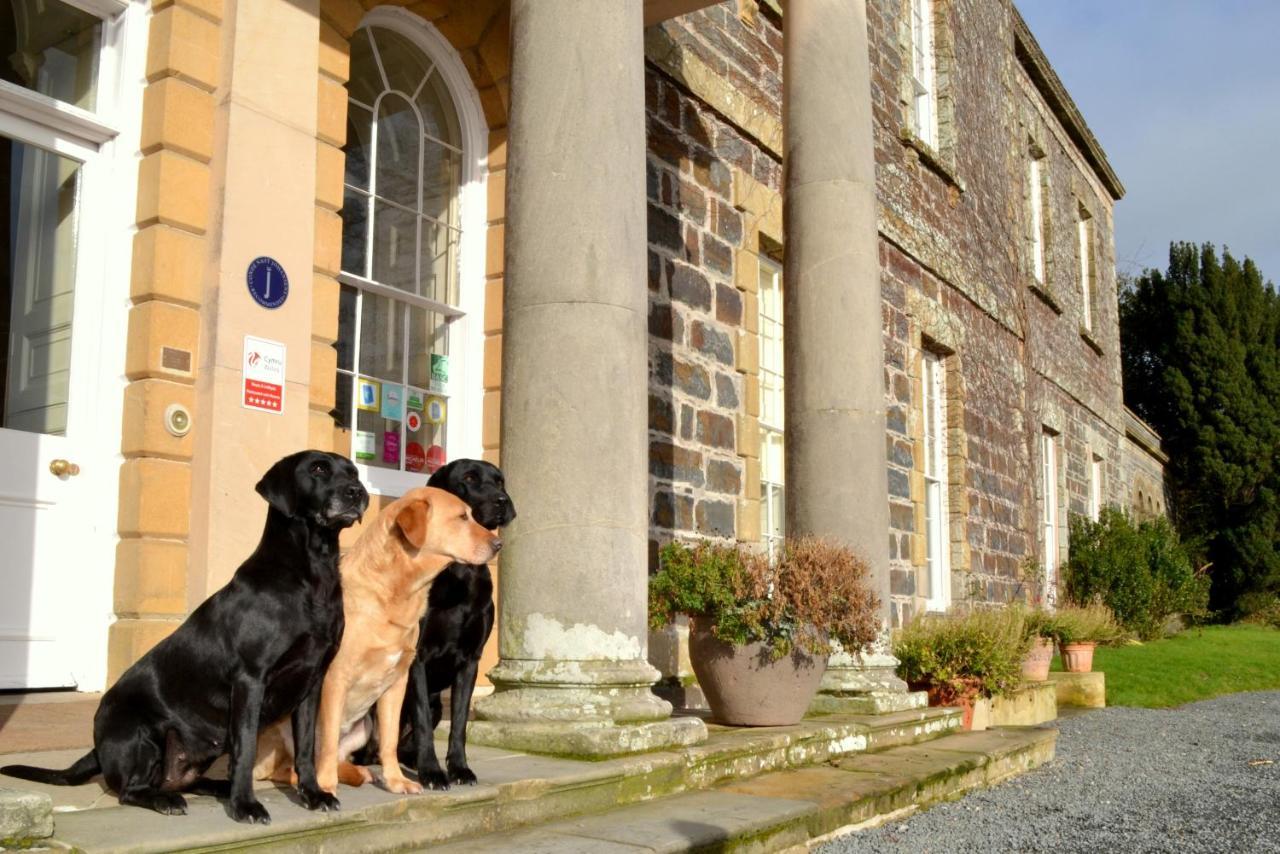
[834, 351]
[572, 632]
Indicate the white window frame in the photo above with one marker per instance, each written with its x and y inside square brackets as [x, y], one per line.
[106, 141]
[924, 89]
[933, 410]
[772, 431]
[463, 427]
[1095, 486]
[1049, 512]
[1084, 234]
[1035, 196]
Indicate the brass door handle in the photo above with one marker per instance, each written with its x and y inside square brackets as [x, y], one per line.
[61, 467]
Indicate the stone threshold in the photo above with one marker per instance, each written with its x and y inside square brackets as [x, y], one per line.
[789, 810]
[517, 790]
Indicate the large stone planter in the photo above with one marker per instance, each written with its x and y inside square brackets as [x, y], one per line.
[744, 687]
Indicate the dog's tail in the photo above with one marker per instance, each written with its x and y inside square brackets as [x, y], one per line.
[81, 772]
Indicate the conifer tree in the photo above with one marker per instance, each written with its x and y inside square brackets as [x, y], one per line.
[1201, 361]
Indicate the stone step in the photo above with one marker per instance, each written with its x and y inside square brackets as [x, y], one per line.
[788, 809]
[516, 790]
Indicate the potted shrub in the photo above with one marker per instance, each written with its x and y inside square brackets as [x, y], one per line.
[760, 628]
[963, 657]
[1079, 629]
[1038, 628]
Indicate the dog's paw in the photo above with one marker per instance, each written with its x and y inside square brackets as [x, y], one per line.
[401, 786]
[461, 775]
[169, 803]
[318, 799]
[328, 782]
[433, 778]
[250, 812]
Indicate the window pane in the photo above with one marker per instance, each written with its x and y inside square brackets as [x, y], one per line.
[355, 232]
[395, 247]
[428, 351]
[366, 81]
[440, 183]
[342, 407]
[381, 338]
[359, 145]
[439, 262]
[399, 152]
[404, 64]
[438, 115]
[40, 201]
[51, 48]
[779, 511]
[346, 342]
[377, 440]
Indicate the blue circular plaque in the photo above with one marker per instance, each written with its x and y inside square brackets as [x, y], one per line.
[267, 282]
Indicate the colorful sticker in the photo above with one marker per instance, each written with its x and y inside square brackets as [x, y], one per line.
[415, 458]
[415, 400]
[439, 373]
[369, 395]
[391, 446]
[435, 458]
[436, 410]
[392, 401]
[413, 421]
[364, 445]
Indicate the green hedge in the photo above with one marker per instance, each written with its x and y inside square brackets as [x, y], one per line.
[1140, 570]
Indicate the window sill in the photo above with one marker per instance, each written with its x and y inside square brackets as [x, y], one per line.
[1087, 335]
[931, 158]
[1047, 298]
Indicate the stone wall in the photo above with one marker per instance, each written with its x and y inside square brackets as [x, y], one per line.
[1142, 470]
[956, 281]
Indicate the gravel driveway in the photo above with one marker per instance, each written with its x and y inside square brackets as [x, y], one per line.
[1203, 777]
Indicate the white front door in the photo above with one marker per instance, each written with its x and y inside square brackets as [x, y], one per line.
[63, 273]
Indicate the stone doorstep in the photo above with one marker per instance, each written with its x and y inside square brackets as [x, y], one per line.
[517, 790]
[24, 817]
[786, 810]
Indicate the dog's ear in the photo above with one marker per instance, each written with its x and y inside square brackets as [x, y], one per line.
[280, 486]
[412, 521]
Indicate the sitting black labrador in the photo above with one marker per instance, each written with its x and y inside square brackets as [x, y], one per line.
[453, 633]
[252, 653]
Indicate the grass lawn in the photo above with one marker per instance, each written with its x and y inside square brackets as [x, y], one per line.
[1198, 664]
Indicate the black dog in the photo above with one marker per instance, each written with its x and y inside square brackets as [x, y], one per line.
[252, 653]
[453, 634]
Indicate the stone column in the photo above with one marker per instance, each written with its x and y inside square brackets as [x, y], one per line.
[573, 677]
[835, 456]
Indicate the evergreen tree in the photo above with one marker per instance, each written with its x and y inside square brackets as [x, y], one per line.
[1201, 362]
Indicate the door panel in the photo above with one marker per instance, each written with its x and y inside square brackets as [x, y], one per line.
[39, 207]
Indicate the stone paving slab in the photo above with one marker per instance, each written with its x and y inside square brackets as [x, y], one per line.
[517, 790]
[786, 809]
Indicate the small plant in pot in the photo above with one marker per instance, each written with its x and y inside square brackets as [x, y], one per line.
[1038, 628]
[760, 628]
[962, 657]
[1079, 629]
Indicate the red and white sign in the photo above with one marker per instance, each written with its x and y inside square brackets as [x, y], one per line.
[435, 458]
[263, 375]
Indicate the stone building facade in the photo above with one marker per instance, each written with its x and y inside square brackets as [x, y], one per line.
[1017, 360]
[468, 215]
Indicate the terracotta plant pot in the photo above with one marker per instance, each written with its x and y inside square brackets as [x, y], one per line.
[744, 687]
[1077, 657]
[1035, 665]
[965, 699]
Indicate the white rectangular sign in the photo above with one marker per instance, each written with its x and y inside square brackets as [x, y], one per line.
[263, 375]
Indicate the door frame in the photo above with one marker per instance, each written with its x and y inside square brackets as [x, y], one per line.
[107, 143]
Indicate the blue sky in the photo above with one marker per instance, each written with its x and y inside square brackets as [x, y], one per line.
[1184, 96]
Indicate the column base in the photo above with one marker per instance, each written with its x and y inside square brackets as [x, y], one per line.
[583, 709]
[588, 740]
[864, 685]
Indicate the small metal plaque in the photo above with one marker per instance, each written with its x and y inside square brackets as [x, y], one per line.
[173, 359]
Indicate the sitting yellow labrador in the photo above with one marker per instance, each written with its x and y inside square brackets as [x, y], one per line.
[385, 579]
